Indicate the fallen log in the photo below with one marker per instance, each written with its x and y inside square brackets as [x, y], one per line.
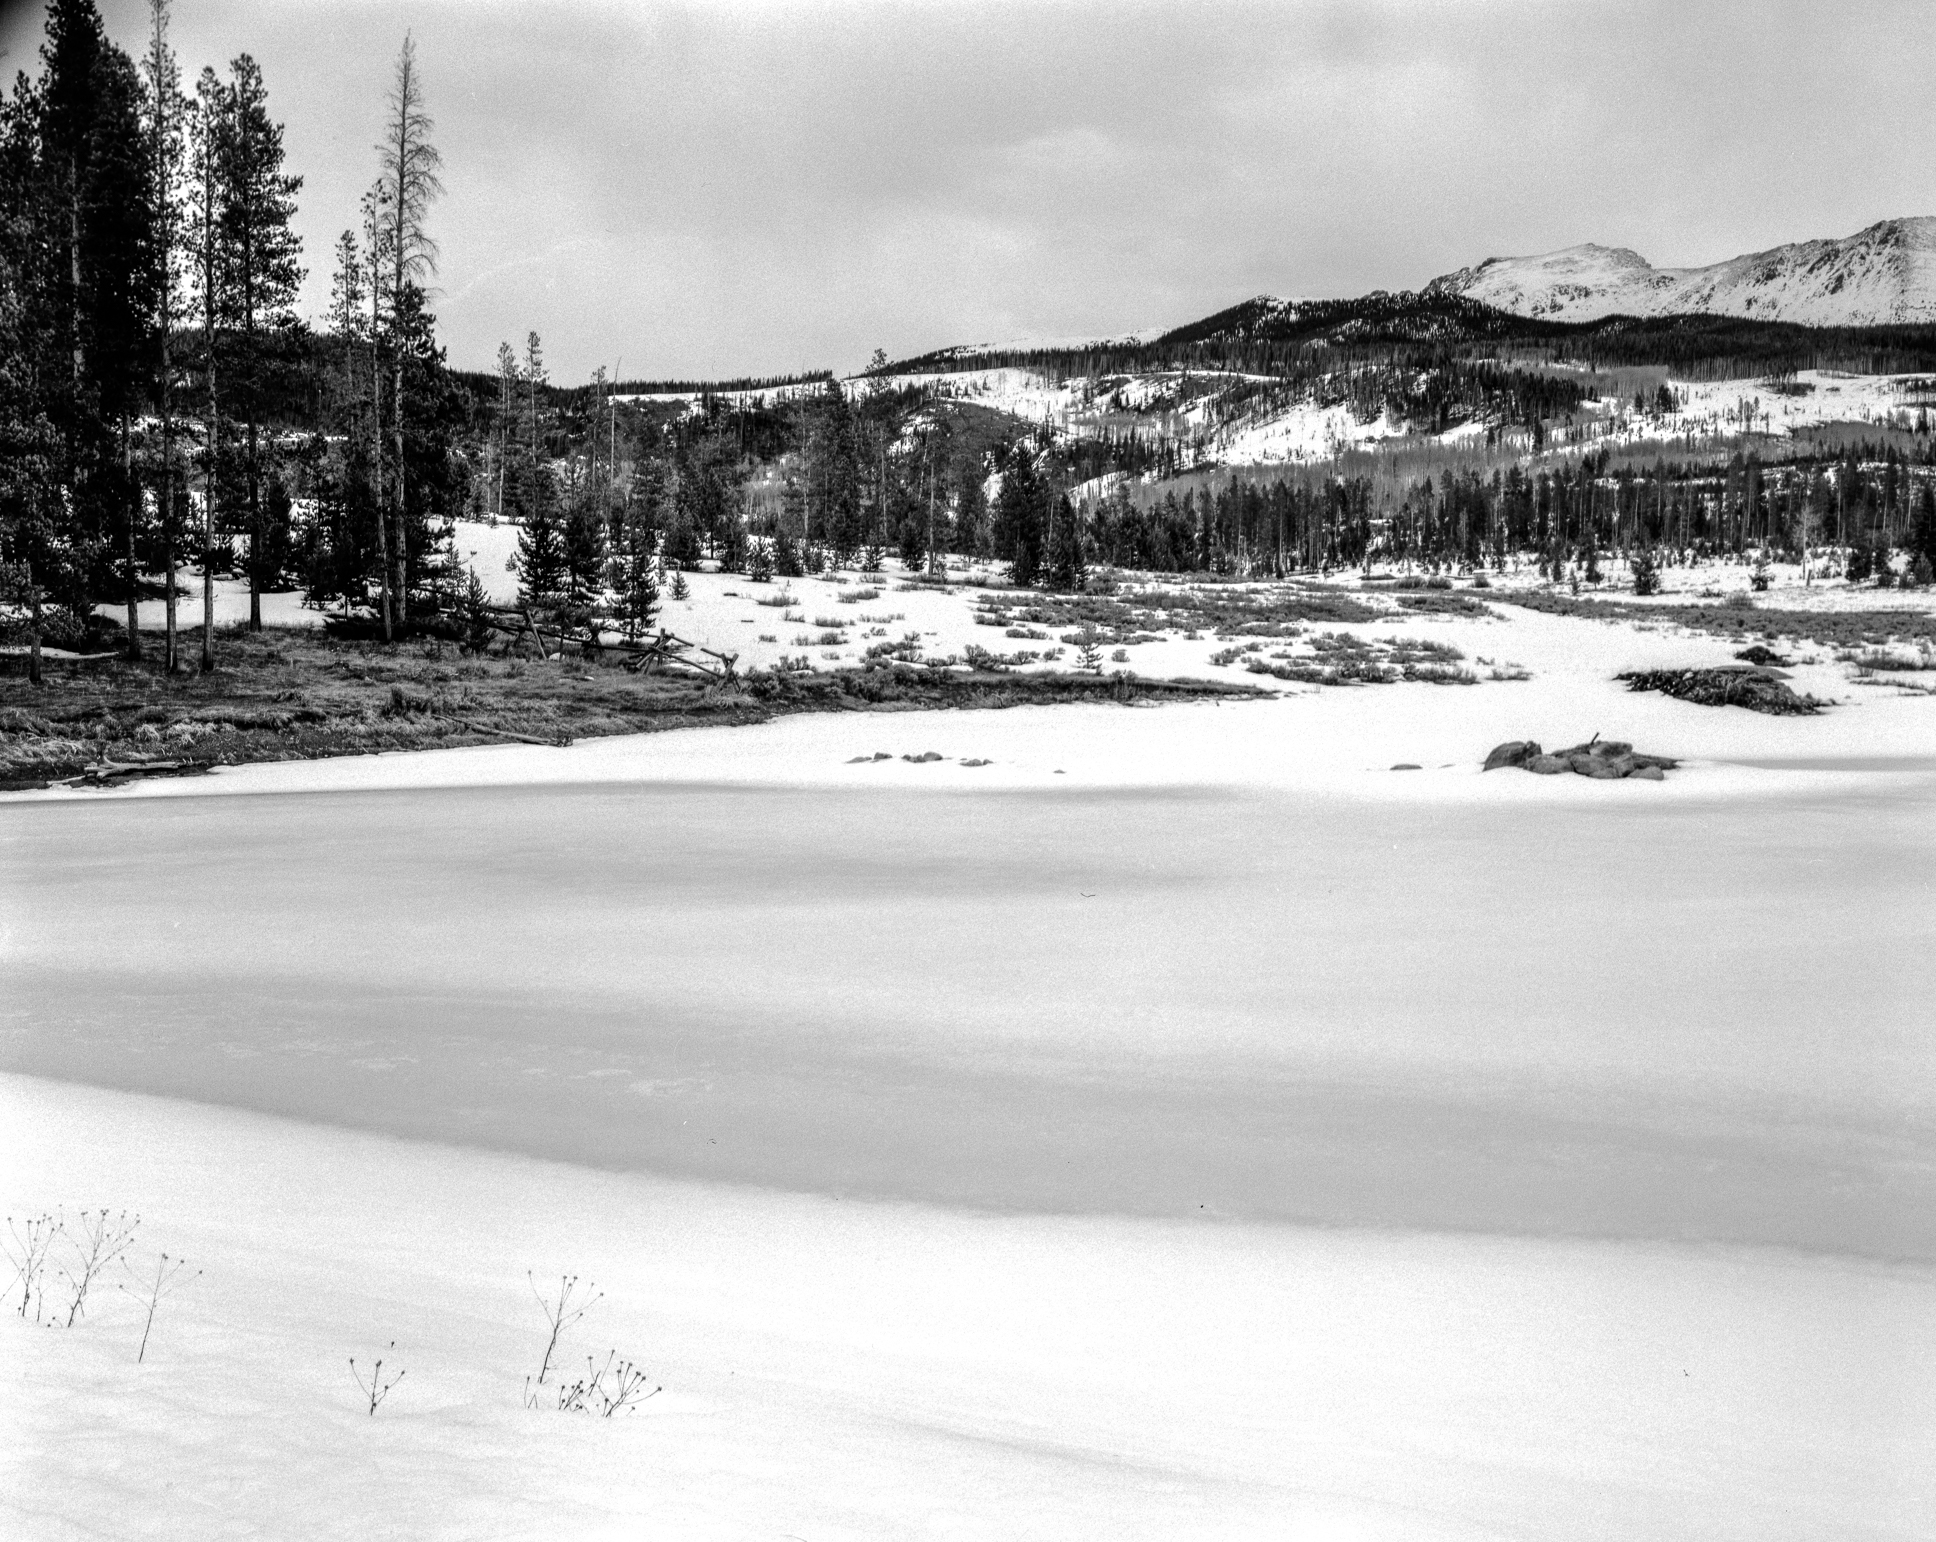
[105, 772]
[562, 741]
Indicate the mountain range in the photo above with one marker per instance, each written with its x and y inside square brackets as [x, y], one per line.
[1882, 276]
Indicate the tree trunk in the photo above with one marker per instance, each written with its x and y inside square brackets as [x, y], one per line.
[33, 628]
[403, 544]
[170, 649]
[376, 473]
[134, 576]
[255, 530]
[208, 516]
[170, 653]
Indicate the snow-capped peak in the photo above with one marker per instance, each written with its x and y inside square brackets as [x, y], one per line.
[1882, 275]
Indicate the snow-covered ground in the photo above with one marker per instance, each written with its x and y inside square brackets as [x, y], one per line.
[1184, 1125]
[1719, 408]
[842, 1370]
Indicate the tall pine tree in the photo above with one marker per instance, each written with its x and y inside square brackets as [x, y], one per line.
[264, 269]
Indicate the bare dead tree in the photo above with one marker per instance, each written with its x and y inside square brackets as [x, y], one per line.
[410, 183]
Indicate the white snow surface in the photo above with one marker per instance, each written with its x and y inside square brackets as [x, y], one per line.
[844, 1370]
[1880, 275]
[1185, 1125]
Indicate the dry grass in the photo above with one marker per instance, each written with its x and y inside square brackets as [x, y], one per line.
[301, 695]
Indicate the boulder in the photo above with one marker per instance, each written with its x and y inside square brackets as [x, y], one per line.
[1647, 774]
[1603, 760]
[1515, 752]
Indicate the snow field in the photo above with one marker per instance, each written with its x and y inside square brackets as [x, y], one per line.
[838, 1370]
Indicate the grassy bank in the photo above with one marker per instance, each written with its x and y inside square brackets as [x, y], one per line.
[1831, 628]
[298, 695]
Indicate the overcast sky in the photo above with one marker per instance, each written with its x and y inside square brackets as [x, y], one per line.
[754, 188]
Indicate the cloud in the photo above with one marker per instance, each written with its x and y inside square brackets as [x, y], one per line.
[718, 189]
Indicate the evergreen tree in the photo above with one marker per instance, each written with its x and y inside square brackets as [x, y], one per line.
[264, 270]
[788, 561]
[88, 203]
[759, 560]
[633, 572]
[971, 510]
[166, 166]
[541, 557]
[213, 303]
[841, 519]
[1019, 517]
[432, 476]
[1922, 528]
[1068, 568]
[585, 556]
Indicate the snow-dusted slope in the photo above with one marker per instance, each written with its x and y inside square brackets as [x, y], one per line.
[1881, 275]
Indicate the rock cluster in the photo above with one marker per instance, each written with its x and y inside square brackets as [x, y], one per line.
[1605, 760]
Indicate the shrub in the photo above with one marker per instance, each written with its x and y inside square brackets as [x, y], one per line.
[1646, 572]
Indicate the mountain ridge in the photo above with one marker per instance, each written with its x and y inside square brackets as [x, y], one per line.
[1883, 275]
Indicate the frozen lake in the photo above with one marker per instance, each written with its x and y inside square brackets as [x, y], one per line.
[1702, 1020]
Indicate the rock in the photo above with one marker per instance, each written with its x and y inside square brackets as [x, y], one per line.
[1602, 760]
[1760, 654]
[1515, 752]
[861, 760]
[923, 758]
[978, 762]
[1406, 765]
[1647, 774]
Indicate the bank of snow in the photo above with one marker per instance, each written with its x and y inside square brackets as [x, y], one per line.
[835, 1370]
